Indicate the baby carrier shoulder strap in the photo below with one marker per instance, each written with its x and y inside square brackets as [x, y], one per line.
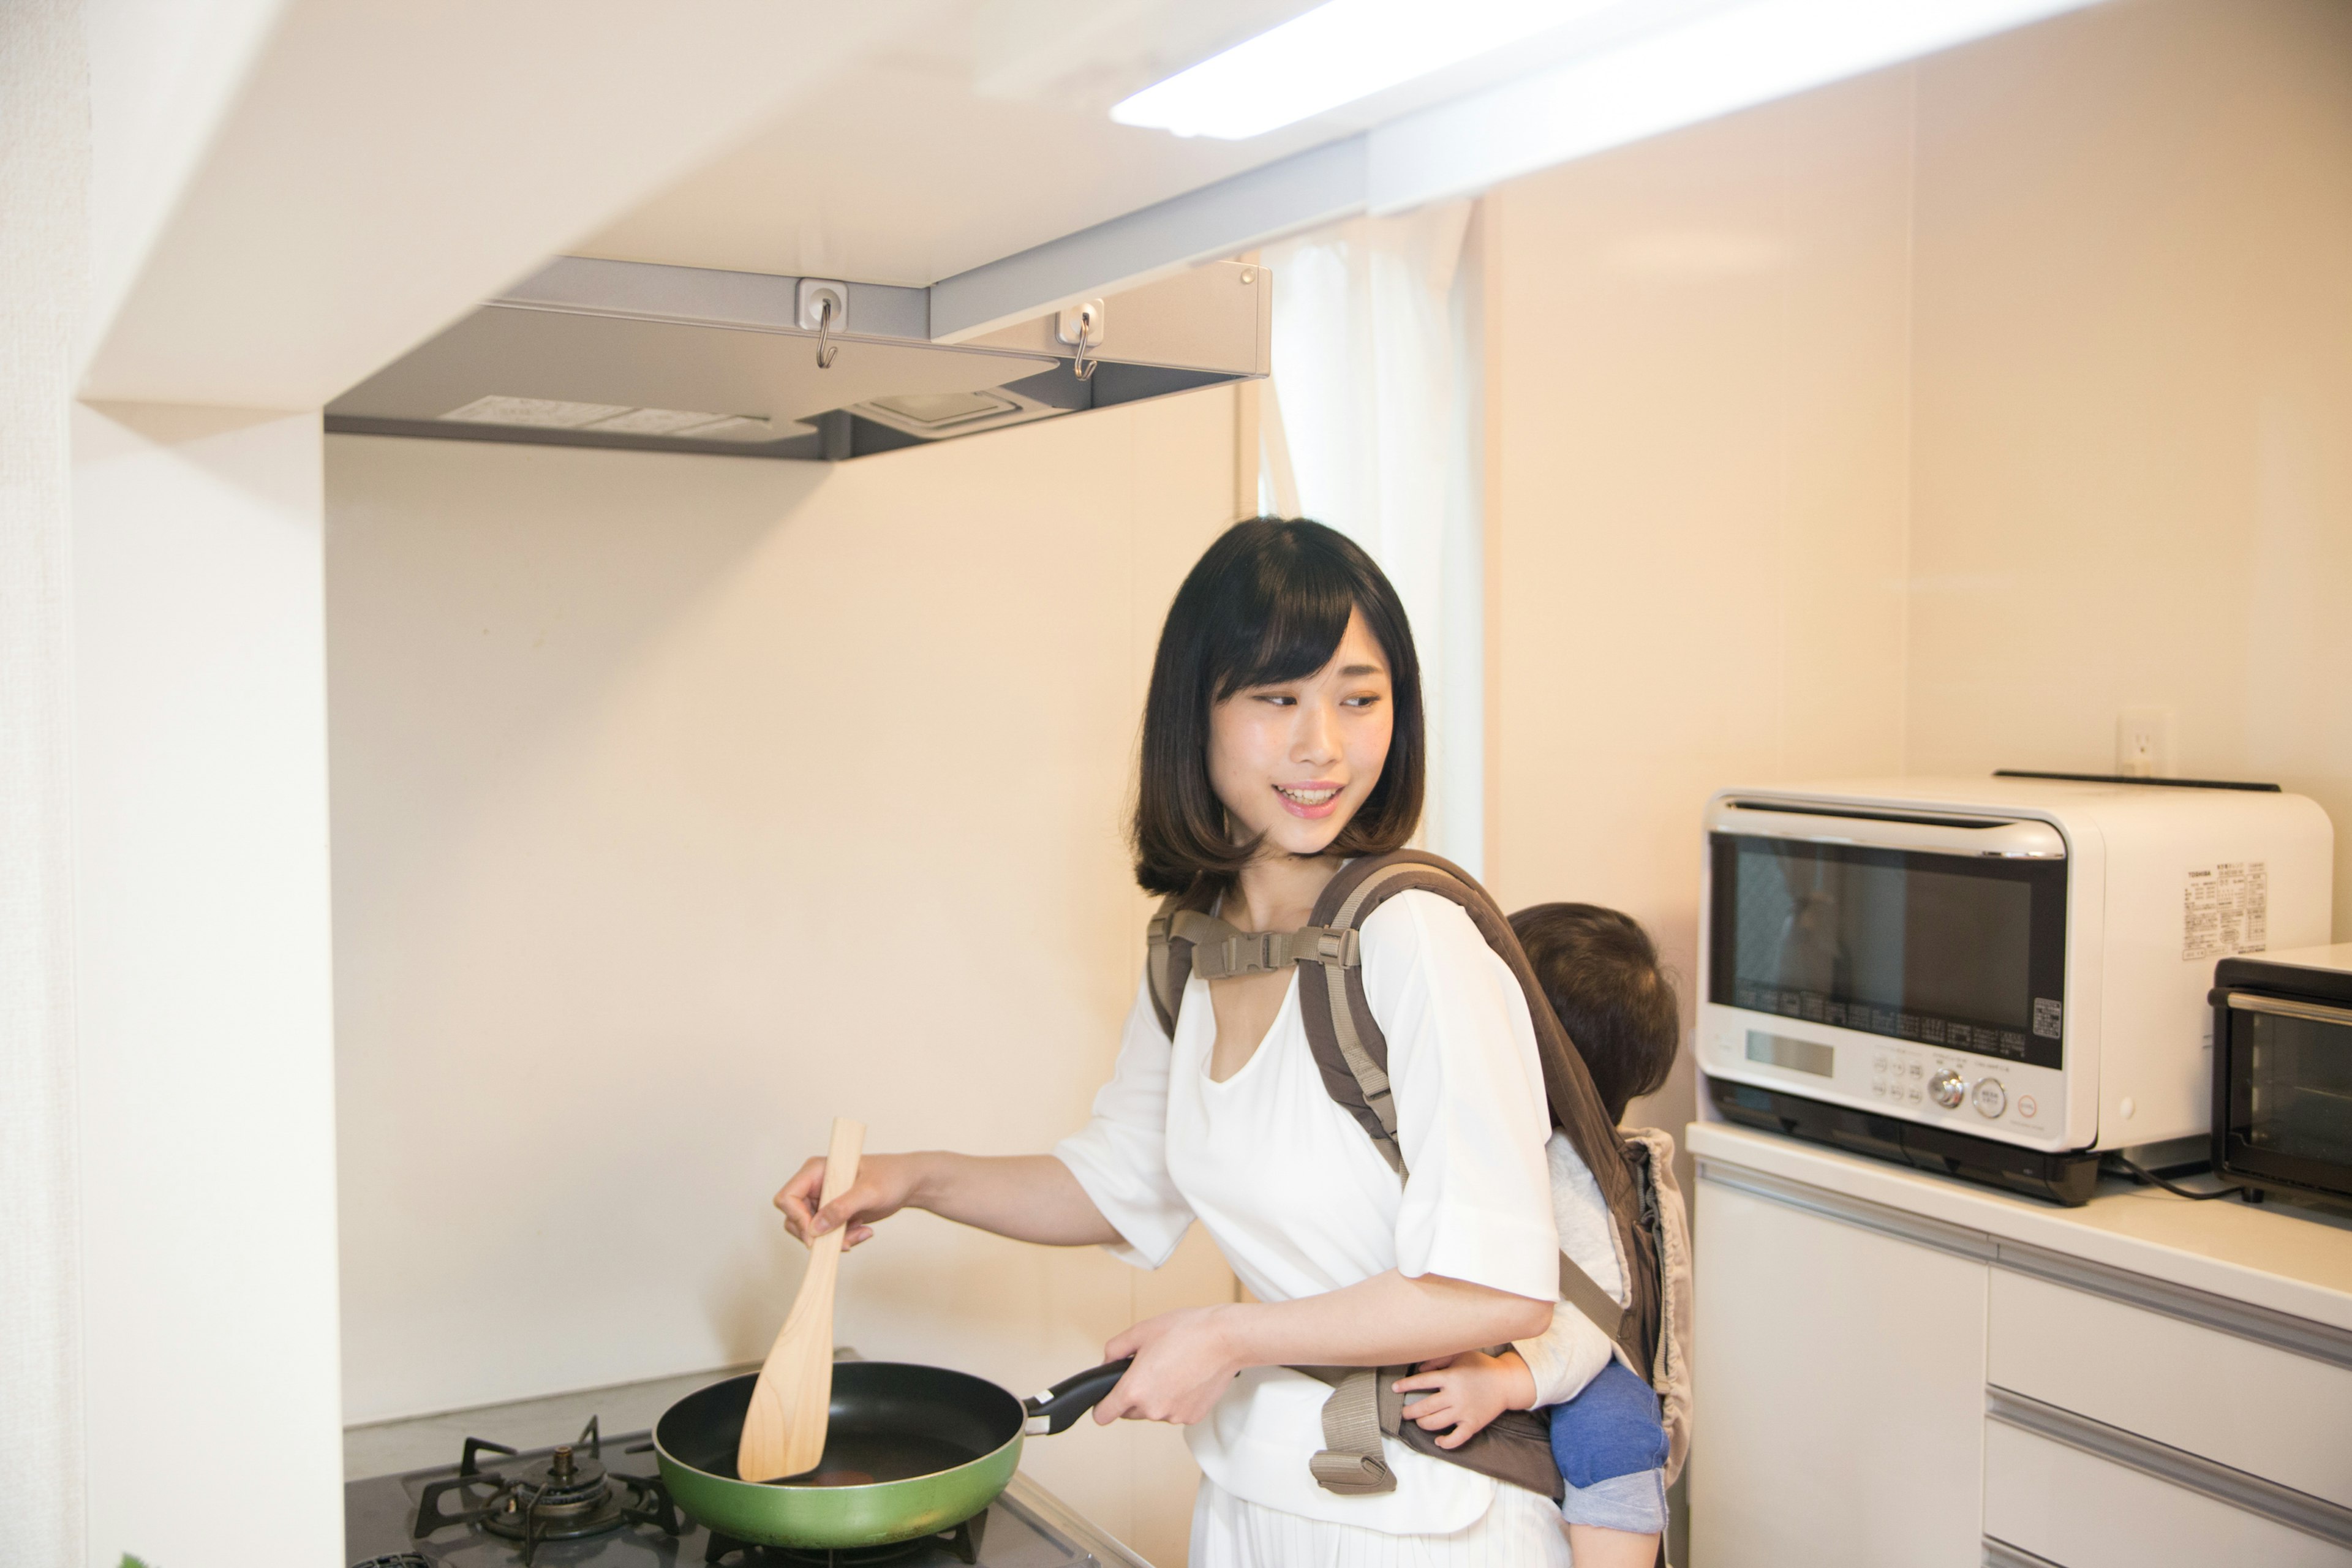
[1352, 1055]
[1181, 923]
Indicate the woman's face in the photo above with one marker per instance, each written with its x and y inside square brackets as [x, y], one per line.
[1293, 762]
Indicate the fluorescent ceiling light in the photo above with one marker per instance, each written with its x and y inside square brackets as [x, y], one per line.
[1740, 53]
[1337, 53]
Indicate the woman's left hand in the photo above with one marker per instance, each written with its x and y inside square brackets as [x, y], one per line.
[1183, 1359]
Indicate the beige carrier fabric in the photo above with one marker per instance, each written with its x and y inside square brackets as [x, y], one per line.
[1670, 1374]
[1351, 1462]
[1365, 1407]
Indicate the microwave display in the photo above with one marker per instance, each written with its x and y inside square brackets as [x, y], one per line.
[1946, 950]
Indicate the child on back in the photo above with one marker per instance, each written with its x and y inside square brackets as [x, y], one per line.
[1601, 971]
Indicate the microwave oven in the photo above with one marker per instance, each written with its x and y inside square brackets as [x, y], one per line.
[2282, 1072]
[1995, 978]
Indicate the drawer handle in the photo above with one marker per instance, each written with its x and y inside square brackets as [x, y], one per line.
[2177, 1466]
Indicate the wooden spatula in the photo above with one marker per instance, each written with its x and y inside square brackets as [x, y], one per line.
[784, 1431]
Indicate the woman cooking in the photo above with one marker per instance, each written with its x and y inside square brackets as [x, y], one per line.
[1282, 735]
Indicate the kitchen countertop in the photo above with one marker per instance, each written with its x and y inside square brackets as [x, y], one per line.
[2287, 1257]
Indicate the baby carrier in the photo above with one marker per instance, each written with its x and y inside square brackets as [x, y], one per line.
[1634, 1170]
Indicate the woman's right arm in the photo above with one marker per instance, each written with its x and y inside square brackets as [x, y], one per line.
[1029, 1197]
[1115, 1169]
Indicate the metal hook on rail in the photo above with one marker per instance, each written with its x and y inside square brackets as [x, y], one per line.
[826, 347]
[1081, 326]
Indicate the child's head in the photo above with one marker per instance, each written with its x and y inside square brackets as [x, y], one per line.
[1601, 972]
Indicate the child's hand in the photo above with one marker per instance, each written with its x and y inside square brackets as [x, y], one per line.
[1467, 1392]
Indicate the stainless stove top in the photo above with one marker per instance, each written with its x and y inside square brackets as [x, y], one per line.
[1027, 1527]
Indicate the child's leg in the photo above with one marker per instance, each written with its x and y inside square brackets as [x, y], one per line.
[1610, 1442]
[1612, 1428]
[1588, 1546]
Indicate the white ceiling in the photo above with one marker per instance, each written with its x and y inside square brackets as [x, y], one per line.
[309, 205]
[371, 168]
[985, 129]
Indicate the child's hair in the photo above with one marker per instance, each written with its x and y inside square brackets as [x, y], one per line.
[1600, 971]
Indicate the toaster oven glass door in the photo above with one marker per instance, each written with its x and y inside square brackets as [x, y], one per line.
[1964, 952]
[2290, 1091]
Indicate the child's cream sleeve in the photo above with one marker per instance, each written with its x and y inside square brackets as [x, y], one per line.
[1566, 1356]
[1572, 1352]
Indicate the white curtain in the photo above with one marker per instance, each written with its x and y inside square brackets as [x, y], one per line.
[1372, 424]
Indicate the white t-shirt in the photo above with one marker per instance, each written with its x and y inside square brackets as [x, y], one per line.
[1300, 1202]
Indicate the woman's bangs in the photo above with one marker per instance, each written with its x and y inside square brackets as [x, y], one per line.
[1287, 630]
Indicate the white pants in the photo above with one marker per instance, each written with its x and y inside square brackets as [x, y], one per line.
[1521, 1530]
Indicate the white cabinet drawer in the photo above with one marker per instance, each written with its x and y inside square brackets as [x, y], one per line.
[1827, 1439]
[2254, 1407]
[2078, 1511]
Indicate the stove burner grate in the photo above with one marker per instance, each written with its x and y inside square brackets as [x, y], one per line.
[565, 1497]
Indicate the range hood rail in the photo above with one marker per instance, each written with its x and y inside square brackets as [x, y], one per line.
[636, 356]
[702, 295]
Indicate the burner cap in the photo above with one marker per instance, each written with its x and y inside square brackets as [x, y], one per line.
[560, 1498]
[561, 1479]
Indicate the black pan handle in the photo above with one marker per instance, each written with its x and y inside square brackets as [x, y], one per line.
[1058, 1407]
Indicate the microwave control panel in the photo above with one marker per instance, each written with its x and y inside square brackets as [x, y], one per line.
[2013, 1102]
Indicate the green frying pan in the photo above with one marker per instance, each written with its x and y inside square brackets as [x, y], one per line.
[908, 1450]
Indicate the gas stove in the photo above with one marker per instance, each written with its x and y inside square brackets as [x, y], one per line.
[600, 1501]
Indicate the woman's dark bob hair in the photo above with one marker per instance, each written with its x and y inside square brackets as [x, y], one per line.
[1268, 603]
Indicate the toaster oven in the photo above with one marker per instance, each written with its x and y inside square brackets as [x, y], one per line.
[2282, 1072]
[1998, 978]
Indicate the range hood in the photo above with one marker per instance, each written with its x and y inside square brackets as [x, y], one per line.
[685, 359]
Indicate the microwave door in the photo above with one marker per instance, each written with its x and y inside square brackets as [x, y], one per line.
[2290, 1091]
[1945, 950]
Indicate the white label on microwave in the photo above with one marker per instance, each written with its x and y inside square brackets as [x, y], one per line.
[2225, 908]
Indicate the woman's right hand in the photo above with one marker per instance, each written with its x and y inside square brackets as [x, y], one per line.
[884, 1184]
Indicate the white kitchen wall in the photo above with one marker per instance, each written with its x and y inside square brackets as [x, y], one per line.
[1919, 424]
[200, 974]
[682, 803]
[2134, 393]
[1696, 401]
[43, 278]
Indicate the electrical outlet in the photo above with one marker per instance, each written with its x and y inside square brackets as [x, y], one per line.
[2144, 743]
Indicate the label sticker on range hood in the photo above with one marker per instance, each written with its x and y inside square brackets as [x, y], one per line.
[938, 410]
[540, 413]
[552, 414]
